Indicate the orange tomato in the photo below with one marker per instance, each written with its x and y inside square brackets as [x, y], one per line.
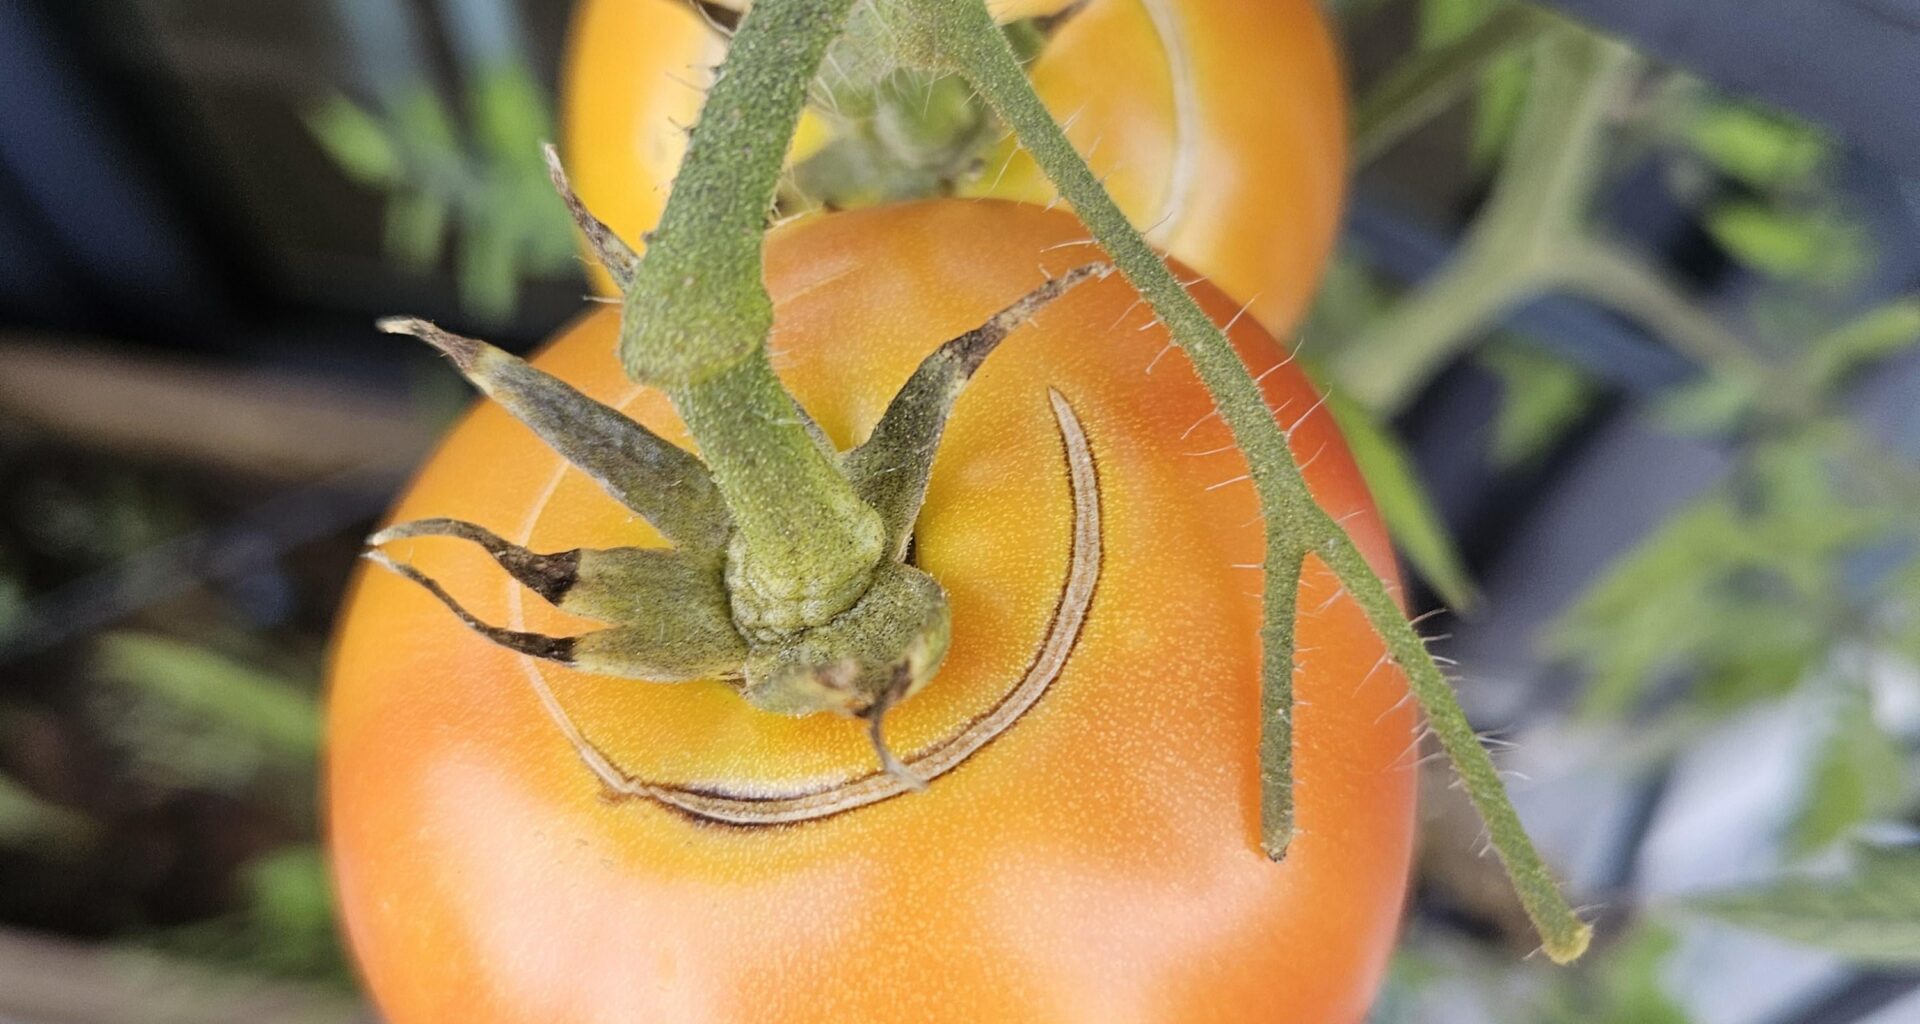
[1099, 861]
[1219, 127]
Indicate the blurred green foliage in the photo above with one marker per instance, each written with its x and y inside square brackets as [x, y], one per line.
[488, 184]
[1859, 773]
[1502, 85]
[1869, 912]
[284, 927]
[196, 717]
[1410, 515]
[1543, 397]
[28, 821]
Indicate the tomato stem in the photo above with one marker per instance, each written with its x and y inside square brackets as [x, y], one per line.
[697, 318]
[961, 35]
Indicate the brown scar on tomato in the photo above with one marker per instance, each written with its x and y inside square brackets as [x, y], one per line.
[722, 805]
[666, 484]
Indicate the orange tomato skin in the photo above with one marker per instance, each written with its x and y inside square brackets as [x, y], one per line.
[1097, 862]
[1220, 127]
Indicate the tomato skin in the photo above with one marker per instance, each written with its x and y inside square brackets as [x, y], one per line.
[1231, 153]
[1097, 862]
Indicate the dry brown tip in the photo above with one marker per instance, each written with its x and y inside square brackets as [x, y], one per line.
[464, 352]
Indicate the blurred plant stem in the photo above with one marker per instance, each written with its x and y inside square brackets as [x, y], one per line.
[1424, 84]
[1519, 243]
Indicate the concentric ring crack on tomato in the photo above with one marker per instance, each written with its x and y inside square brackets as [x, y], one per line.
[523, 833]
[1219, 127]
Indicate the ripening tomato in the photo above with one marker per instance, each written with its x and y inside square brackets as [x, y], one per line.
[1219, 127]
[1098, 861]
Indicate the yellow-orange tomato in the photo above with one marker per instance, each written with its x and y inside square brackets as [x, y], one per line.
[1220, 127]
[1099, 861]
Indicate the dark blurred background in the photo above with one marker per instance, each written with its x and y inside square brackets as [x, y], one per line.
[1675, 514]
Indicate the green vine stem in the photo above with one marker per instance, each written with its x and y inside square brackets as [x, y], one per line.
[959, 36]
[1428, 82]
[1523, 240]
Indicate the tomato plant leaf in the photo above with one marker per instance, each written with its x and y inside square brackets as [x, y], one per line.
[1880, 333]
[211, 686]
[1714, 405]
[1626, 987]
[1544, 397]
[1410, 515]
[355, 139]
[1870, 914]
[1818, 245]
[1858, 772]
[1758, 148]
[25, 819]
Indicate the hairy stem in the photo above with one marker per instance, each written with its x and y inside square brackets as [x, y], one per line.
[961, 33]
[697, 317]
[968, 37]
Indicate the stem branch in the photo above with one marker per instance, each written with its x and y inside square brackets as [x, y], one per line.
[1518, 242]
[962, 34]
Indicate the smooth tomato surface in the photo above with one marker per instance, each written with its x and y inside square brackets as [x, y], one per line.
[1220, 127]
[1097, 862]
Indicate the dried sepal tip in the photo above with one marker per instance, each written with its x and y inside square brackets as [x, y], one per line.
[609, 249]
[650, 652]
[891, 470]
[666, 484]
[876, 735]
[537, 645]
[670, 609]
[552, 576]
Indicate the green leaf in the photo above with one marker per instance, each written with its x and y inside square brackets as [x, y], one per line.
[1443, 21]
[1410, 516]
[1870, 914]
[511, 117]
[1544, 397]
[230, 697]
[1878, 334]
[1815, 245]
[27, 820]
[1715, 405]
[291, 912]
[1859, 773]
[1631, 987]
[1503, 91]
[1641, 618]
[286, 928]
[416, 228]
[1503, 83]
[356, 140]
[1759, 148]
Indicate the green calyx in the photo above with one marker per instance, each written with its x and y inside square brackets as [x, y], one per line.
[900, 129]
[787, 573]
